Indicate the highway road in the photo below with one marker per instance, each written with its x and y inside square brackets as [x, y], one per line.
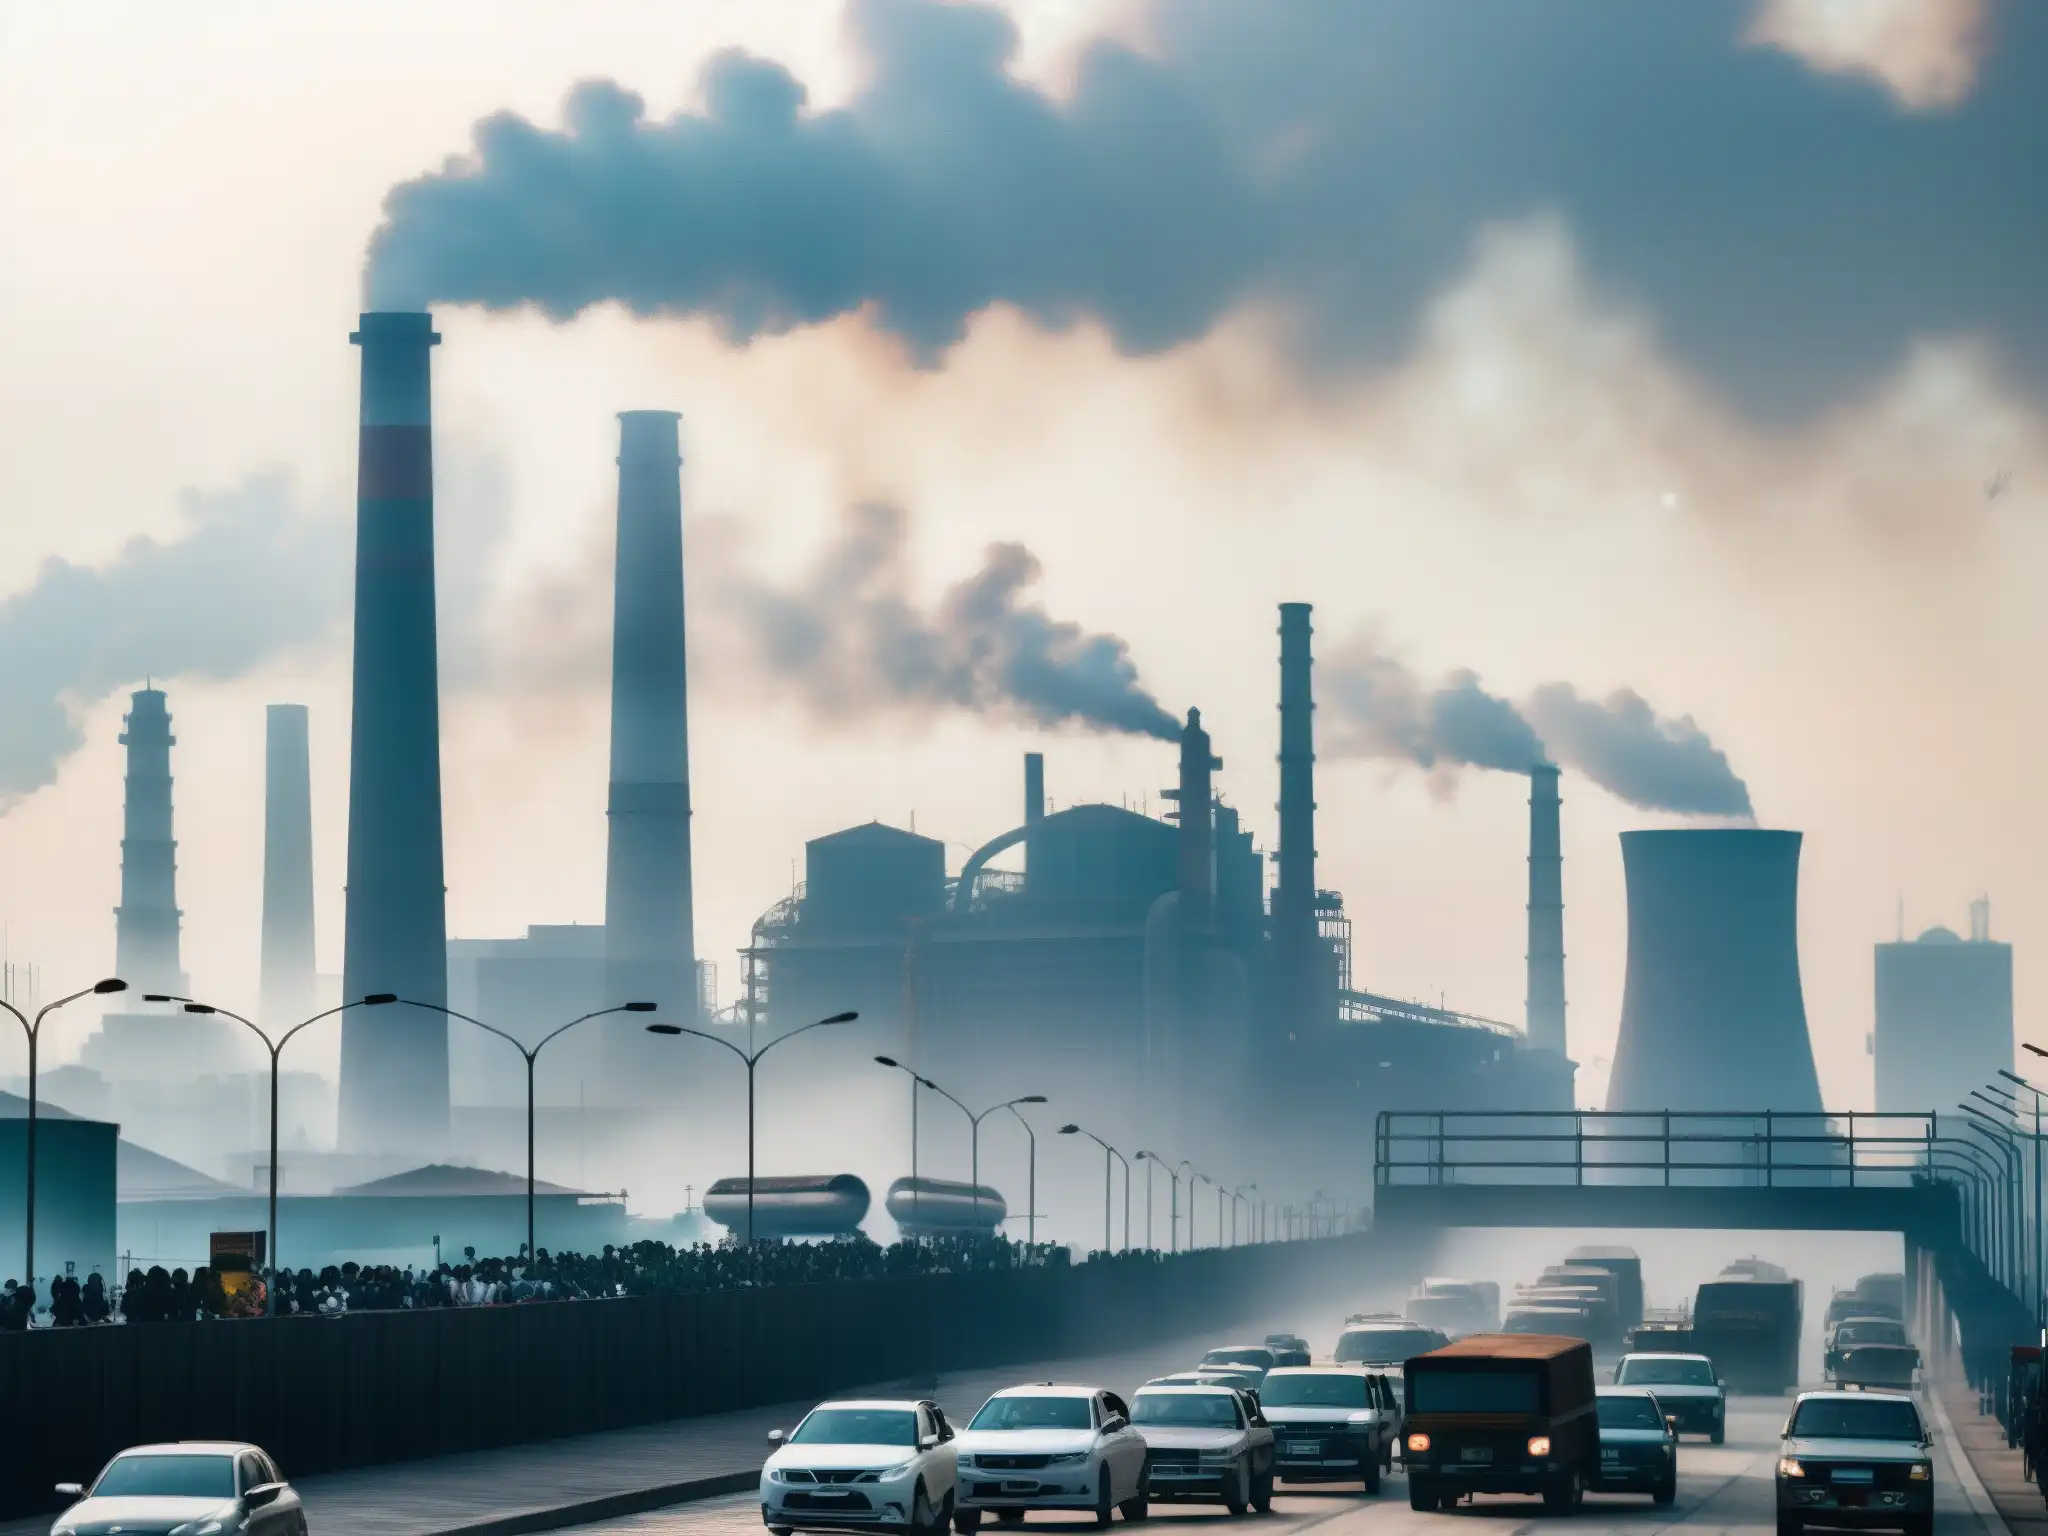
[1721, 1488]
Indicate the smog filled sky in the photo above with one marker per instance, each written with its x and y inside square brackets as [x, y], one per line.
[1661, 390]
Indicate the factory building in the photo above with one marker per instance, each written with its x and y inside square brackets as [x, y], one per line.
[1944, 1016]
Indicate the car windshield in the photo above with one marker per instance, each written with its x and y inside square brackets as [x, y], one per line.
[1639, 1372]
[857, 1426]
[1629, 1412]
[1262, 1358]
[1210, 1408]
[1856, 1418]
[1385, 1343]
[1486, 1390]
[1033, 1413]
[167, 1477]
[1329, 1389]
[1873, 1331]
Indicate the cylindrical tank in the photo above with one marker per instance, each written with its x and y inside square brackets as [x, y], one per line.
[798, 1205]
[941, 1207]
[1712, 1017]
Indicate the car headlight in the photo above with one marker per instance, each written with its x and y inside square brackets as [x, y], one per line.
[1922, 1471]
[901, 1469]
[1359, 1418]
[1067, 1459]
[1539, 1445]
[1218, 1458]
[1788, 1466]
[1418, 1442]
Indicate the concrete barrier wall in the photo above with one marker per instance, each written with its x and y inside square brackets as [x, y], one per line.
[323, 1394]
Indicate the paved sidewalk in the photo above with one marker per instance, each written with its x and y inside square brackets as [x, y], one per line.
[1998, 1467]
[588, 1477]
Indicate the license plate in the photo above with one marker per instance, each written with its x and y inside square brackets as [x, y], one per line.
[832, 1494]
[1476, 1453]
[1854, 1475]
[1303, 1448]
[1019, 1485]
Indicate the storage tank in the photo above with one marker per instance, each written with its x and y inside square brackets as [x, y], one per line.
[793, 1205]
[943, 1208]
[1712, 1017]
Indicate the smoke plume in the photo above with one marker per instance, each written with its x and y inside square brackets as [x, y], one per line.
[1273, 153]
[848, 637]
[1376, 707]
[253, 575]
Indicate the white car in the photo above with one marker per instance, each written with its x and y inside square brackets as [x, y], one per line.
[1050, 1447]
[861, 1464]
[1206, 1443]
[1331, 1423]
[194, 1485]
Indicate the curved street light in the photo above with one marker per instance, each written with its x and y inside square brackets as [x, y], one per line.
[103, 988]
[752, 1058]
[1236, 1195]
[974, 1132]
[1150, 1158]
[915, 1083]
[1107, 1184]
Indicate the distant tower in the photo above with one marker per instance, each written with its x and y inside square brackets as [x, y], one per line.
[1302, 970]
[289, 990]
[394, 1060]
[1544, 1016]
[146, 922]
[1944, 1017]
[650, 945]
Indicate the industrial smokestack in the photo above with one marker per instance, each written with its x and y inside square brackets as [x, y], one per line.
[1295, 943]
[394, 1060]
[1197, 840]
[650, 944]
[289, 985]
[1712, 1017]
[146, 922]
[1034, 788]
[1544, 1015]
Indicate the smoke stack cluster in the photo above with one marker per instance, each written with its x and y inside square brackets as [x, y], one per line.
[1544, 1015]
[147, 921]
[290, 979]
[1196, 795]
[394, 1060]
[650, 944]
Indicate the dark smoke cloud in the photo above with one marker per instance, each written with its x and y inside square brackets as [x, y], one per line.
[847, 638]
[255, 574]
[1332, 158]
[1625, 747]
[1375, 706]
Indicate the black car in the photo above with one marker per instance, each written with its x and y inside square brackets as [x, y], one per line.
[1638, 1447]
[196, 1485]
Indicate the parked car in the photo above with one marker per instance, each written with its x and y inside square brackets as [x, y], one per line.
[1856, 1459]
[1208, 1443]
[859, 1464]
[1502, 1413]
[1209, 1376]
[1288, 1348]
[1252, 1360]
[195, 1485]
[1687, 1387]
[1638, 1445]
[1384, 1338]
[1048, 1446]
[1331, 1423]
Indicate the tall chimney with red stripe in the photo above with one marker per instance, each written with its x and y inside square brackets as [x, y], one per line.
[394, 1060]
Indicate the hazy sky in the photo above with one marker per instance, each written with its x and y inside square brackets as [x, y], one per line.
[1670, 348]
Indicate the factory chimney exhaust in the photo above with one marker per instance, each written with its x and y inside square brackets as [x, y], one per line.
[1297, 948]
[1544, 1006]
[147, 921]
[1712, 1017]
[1196, 797]
[289, 989]
[1034, 788]
[650, 941]
[394, 1060]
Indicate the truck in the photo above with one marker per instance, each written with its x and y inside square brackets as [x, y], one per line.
[1502, 1413]
[1749, 1327]
[1455, 1306]
[1627, 1268]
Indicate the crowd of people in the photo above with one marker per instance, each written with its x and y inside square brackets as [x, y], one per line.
[639, 1269]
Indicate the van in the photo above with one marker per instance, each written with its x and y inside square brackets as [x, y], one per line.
[1502, 1413]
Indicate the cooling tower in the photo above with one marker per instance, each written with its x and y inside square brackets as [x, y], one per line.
[650, 946]
[394, 1060]
[1711, 1014]
[1296, 946]
[1544, 1006]
[289, 987]
[146, 922]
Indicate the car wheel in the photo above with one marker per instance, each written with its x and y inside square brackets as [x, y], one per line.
[1666, 1491]
[1920, 1525]
[1421, 1493]
[1262, 1494]
[1139, 1504]
[1009, 1517]
[1237, 1498]
[780, 1530]
[1790, 1525]
[1372, 1477]
[1719, 1435]
[924, 1520]
[1562, 1496]
[966, 1521]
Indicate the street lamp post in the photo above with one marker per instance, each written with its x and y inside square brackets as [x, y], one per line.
[974, 1131]
[915, 1083]
[1108, 1183]
[2008, 1115]
[1188, 1164]
[34, 1031]
[276, 1049]
[2040, 1238]
[532, 1253]
[1031, 1186]
[1236, 1195]
[1999, 1137]
[751, 1058]
[1149, 1159]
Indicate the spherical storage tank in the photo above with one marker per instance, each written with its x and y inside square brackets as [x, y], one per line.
[797, 1205]
[940, 1207]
